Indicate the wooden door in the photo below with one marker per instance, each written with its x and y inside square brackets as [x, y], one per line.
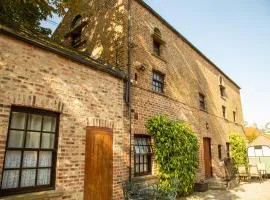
[207, 157]
[98, 181]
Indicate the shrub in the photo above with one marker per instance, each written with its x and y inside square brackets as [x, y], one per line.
[176, 152]
[238, 149]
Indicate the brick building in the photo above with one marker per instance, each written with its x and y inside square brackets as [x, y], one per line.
[52, 101]
[169, 76]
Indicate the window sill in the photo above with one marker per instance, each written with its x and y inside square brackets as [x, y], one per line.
[139, 179]
[35, 195]
[224, 98]
[203, 110]
[159, 93]
[159, 57]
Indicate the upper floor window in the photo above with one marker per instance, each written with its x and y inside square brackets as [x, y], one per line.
[157, 42]
[224, 112]
[222, 87]
[143, 153]
[158, 82]
[234, 116]
[202, 101]
[156, 46]
[76, 21]
[30, 155]
[219, 152]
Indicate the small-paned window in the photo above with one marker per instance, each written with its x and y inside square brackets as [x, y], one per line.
[143, 153]
[228, 149]
[30, 155]
[224, 112]
[158, 82]
[219, 152]
[202, 101]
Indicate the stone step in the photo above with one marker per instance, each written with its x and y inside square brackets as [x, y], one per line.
[216, 184]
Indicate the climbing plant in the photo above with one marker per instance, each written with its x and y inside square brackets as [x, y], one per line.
[238, 149]
[176, 152]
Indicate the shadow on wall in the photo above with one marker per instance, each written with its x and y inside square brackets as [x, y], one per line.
[104, 36]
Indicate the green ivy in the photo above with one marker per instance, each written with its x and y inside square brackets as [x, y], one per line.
[238, 149]
[176, 152]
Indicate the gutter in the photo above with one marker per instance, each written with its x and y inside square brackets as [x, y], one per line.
[129, 84]
[64, 52]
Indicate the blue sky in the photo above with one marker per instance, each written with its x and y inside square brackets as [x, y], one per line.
[235, 35]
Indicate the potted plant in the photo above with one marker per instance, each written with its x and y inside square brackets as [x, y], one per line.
[201, 186]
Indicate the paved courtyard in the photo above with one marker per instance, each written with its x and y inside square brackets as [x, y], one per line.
[246, 191]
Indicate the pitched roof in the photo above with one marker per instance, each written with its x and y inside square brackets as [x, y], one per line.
[261, 140]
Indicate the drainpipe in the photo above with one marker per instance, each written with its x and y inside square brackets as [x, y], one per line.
[129, 84]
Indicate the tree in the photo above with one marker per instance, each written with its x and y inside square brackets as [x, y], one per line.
[28, 14]
[238, 149]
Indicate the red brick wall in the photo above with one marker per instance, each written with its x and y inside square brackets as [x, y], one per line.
[83, 96]
[187, 74]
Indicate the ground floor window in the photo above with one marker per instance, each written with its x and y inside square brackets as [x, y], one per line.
[143, 153]
[30, 155]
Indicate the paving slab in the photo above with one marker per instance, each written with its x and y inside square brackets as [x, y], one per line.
[245, 191]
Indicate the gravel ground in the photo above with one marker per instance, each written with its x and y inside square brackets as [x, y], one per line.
[245, 191]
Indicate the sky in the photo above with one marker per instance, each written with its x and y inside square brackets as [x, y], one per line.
[235, 35]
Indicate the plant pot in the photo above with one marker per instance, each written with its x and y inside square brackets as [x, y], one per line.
[201, 187]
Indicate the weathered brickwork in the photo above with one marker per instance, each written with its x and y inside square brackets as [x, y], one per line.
[33, 77]
[106, 30]
[37, 78]
[187, 74]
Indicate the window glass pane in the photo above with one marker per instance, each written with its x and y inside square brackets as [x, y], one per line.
[43, 176]
[15, 139]
[145, 168]
[47, 141]
[145, 149]
[30, 159]
[32, 140]
[137, 169]
[136, 141]
[34, 122]
[137, 149]
[141, 167]
[137, 159]
[28, 177]
[13, 159]
[49, 124]
[144, 141]
[141, 158]
[18, 120]
[45, 159]
[10, 179]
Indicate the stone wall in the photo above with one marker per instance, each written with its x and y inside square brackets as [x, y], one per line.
[34, 77]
